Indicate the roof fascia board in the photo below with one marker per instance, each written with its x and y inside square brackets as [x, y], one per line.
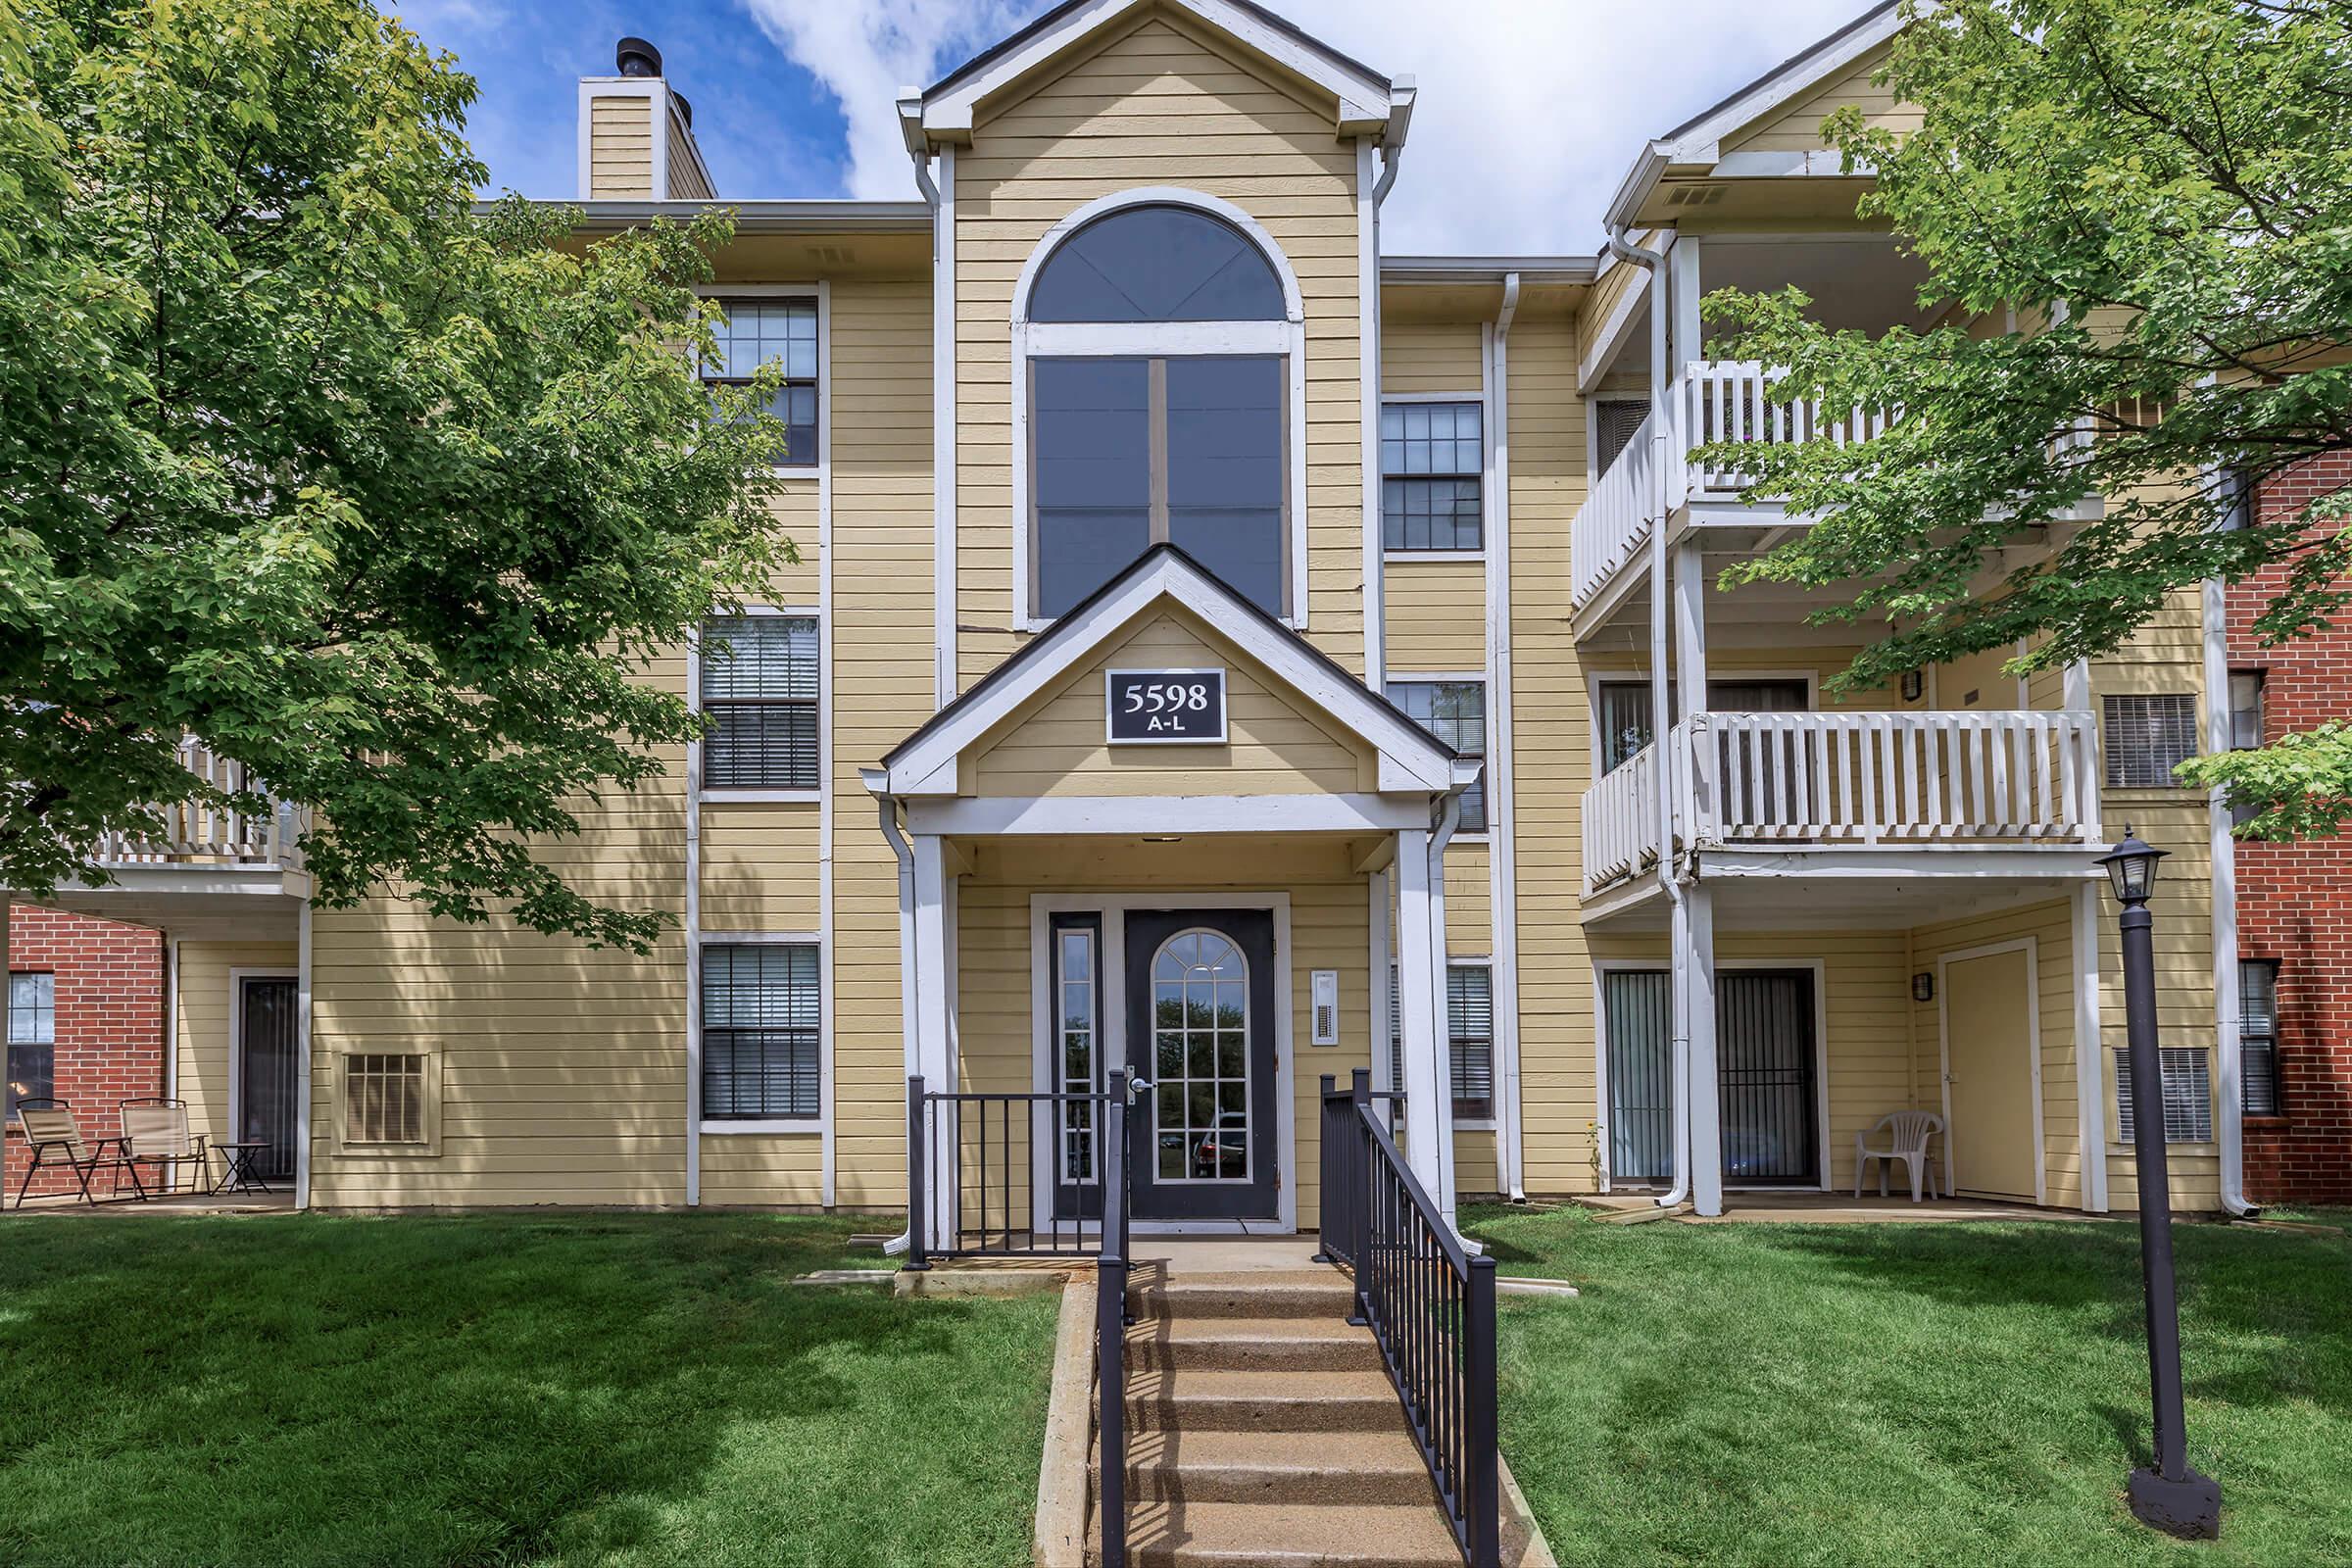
[1363, 99]
[1410, 759]
[1532, 269]
[755, 217]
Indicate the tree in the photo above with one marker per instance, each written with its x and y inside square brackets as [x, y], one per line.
[2136, 221]
[388, 499]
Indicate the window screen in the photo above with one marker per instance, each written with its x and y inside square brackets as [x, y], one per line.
[760, 1024]
[383, 1098]
[2147, 737]
[759, 686]
[2258, 1036]
[1470, 1042]
[31, 1039]
[1455, 713]
[1432, 457]
[2188, 1095]
[1615, 423]
[783, 332]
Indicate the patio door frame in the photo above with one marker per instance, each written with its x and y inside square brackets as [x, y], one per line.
[1114, 909]
[236, 1055]
[2031, 947]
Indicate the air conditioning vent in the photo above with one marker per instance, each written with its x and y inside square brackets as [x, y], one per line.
[1695, 195]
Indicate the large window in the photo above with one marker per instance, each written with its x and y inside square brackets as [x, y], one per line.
[2258, 1036]
[2147, 737]
[761, 1026]
[31, 1039]
[758, 684]
[1156, 349]
[782, 332]
[1469, 1038]
[1431, 459]
[1455, 713]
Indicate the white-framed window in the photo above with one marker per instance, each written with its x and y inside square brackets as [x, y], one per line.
[1158, 349]
[2245, 709]
[2258, 1036]
[756, 332]
[758, 681]
[31, 1038]
[762, 1028]
[1621, 721]
[1432, 475]
[2147, 737]
[1469, 1037]
[2187, 1079]
[1455, 713]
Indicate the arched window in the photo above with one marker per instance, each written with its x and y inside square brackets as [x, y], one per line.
[1157, 341]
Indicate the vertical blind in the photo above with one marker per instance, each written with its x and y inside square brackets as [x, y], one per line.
[761, 1026]
[759, 686]
[1640, 1046]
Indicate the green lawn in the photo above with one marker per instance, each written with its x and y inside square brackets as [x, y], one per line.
[643, 1390]
[1934, 1394]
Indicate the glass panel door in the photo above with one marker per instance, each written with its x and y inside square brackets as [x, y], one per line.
[268, 1070]
[1635, 1005]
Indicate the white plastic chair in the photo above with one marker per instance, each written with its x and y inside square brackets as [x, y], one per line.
[1907, 1134]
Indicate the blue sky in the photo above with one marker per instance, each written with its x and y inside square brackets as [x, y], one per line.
[1529, 112]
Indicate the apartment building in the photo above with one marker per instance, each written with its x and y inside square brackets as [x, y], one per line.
[1231, 650]
[85, 1025]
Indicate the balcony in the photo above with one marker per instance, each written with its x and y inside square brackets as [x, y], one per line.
[210, 871]
[1846, 784]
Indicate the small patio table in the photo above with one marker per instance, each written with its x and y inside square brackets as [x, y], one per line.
[240, 1176]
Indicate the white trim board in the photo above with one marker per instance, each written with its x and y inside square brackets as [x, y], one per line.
[1110, 965]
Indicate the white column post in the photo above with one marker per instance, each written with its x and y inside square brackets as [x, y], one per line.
[1694, 965]
[935, 1056]
[2090, 1052]
[1419, 996]
[1376, 1002]
[1682, 347]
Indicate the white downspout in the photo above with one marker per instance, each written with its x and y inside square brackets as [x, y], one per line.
[899, 847]
[1661, 706]
[2224, 844]
[1503, 873]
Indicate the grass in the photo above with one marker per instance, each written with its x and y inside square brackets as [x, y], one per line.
[1934, 1394]
[628, 1392]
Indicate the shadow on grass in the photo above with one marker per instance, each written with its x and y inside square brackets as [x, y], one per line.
[452, 1390]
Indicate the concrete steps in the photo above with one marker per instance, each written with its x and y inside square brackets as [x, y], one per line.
[1262, 1430]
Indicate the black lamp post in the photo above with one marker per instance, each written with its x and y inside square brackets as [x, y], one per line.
[2168, 1494]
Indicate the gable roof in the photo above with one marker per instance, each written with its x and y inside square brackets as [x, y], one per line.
[1697, 140]
[1410, 758]
[1367, 103]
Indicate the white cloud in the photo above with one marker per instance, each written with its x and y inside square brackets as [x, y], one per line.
[1528, 110]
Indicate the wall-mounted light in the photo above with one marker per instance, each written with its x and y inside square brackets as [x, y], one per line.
[1923, 986]
[1915, 685]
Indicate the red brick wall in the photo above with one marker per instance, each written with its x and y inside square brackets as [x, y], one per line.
[2294, 901]
[110, 1022]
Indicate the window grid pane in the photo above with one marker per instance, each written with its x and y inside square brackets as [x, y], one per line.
[2258, 1036]
[759, 676]
[2188, 1081]
[1455, 713]
[761, 1025]
[780, 333]
[1431, 459]
[383, 1099]
[31, 1039]
[2147, 737]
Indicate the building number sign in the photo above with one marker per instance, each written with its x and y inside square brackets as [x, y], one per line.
[1166, 705]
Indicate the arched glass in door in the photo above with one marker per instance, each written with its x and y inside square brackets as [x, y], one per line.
[1200, 1056]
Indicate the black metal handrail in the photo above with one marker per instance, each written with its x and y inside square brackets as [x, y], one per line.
[1430, 1305]
[949, 1152]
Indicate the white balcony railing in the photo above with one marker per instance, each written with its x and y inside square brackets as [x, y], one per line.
[1729, 401]
[1621, 820]
[197, 833]
[1614, 520]
[1845, 780]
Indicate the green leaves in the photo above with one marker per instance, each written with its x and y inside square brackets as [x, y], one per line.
[393, 500]
[2137, 217]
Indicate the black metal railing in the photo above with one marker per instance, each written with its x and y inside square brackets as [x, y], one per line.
[1430, 1305]
[1002, 1175]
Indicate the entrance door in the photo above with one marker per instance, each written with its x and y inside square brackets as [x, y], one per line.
[1989, 1073]
[1765, 1084]
[268, 1069]
[1641, 1030]
[1201, 1027]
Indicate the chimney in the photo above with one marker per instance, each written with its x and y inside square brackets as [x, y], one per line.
[636, 135]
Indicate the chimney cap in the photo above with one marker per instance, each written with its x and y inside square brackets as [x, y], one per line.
[634, 57]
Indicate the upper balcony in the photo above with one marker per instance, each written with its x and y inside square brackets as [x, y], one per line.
[211, 872]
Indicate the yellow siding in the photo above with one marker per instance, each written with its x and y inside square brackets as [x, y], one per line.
[1275, 746]
[760, 867]
[1617, 279]
[1437, 616]
[794, 506]
[620, 148]
[1797, 128]
[686, 182]
[202, 1018]
[1432, 357]
[763, 1169]
[1156, 105]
